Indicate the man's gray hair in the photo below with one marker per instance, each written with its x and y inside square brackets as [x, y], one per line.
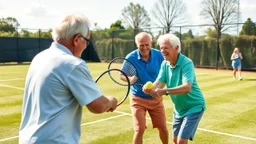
[173, 39]
[70, 26]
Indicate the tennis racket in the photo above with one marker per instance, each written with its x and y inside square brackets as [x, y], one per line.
[109, 86]
[127, 67]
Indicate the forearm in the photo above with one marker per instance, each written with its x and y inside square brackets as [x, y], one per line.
[123, 78]
[158, 85]
[100, 105]
[183, 89]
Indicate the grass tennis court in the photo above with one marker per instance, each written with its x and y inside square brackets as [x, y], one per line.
[230, 117]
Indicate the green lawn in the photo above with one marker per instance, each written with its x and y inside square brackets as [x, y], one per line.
[230, 117]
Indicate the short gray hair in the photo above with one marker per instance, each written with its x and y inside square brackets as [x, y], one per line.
[141, 33]
[70, 26]
[173, 39]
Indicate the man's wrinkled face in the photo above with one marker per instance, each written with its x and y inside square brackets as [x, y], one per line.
[144, 44]
[167, 50]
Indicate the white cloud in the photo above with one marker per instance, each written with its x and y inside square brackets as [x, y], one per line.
[36, 10]
[247, 9]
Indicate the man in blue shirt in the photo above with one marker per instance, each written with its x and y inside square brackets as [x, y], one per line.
[58, 84]
[147, 61]
[177, 73]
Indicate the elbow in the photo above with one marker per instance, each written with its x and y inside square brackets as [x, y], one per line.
[188, 87]
[188, 90]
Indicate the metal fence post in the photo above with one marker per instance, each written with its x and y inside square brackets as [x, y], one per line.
[112, 49]
[217, 46]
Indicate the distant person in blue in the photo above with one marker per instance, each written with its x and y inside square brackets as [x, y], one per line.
[177, 79]
[147, 61]
[58, 85]
[236, 58]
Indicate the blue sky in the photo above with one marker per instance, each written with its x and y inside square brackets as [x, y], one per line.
[45, 14]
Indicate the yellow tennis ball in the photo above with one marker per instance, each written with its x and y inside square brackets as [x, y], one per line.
[149, 85]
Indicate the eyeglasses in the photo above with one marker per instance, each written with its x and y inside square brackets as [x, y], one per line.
[87, 40]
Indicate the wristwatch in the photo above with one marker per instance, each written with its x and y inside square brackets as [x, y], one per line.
[167, 92]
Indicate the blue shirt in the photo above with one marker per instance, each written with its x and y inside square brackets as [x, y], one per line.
[147, 71]
[173, 76]
[57, 85]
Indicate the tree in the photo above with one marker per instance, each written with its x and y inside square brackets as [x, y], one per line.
[249, 28]
[166, 13]
[188, 35]
[9, 24]
[135, 16]
[211, 33]
[221, 12]
[117, 25]
[25, 33]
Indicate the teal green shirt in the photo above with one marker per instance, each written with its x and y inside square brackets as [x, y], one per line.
[182, 72]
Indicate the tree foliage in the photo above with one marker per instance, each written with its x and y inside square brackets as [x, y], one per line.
[249, 28]
[166, 13]
[135, 16]
[221, 12]
[8, 24]
[117, 25]
[211, 33]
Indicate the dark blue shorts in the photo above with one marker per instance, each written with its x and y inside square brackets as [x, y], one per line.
[185, 127]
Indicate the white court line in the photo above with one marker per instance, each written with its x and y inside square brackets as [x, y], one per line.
[14, 79]
[201, 73]
[101, 120]
[10, 138]
[1, 85]
[124, 113]
[88, 123]
[206, 130]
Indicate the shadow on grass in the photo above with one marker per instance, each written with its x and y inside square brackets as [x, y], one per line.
[254, 79]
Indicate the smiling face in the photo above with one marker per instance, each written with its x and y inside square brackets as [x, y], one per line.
[169, 52]
[144, 44]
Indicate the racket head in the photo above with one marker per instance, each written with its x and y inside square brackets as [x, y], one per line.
[113, 85]
[127, 67]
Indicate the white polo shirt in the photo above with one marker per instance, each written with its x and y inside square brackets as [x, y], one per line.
[57, 85]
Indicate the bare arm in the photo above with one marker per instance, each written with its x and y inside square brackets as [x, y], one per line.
[232, 56]
[182, 89]
[132, 79]
[241, 57]
[102, 104]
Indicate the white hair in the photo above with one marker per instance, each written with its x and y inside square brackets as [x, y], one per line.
[173, 39]
[141, 33]
[70, 26]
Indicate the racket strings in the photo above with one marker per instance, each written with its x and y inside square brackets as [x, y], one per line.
[118, 88]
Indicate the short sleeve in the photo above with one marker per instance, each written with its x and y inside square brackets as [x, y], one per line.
[82, 85]
[161, 76]
[188, 72]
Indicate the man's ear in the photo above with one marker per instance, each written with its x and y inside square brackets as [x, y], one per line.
[75, 40]
[177, 48]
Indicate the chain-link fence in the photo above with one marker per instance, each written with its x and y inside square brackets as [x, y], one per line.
[207, 45]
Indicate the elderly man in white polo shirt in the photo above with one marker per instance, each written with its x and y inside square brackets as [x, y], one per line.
[58, 84]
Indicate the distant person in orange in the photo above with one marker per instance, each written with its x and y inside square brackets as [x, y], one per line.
[236, 58]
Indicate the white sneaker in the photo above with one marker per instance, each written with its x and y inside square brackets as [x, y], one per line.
[240, 78]
[234, 78]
